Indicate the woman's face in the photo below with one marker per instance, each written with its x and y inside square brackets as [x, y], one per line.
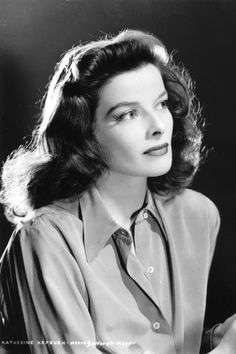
[134, 125]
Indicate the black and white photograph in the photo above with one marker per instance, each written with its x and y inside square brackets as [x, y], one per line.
[117, 177]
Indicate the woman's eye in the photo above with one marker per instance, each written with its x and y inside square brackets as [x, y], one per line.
[162, 104]
[125, 115]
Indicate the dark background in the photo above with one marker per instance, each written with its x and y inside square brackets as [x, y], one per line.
[33, 35]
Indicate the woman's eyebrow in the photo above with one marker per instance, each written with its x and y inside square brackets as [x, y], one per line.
[163, 94]
[132, 103]
[121, 104]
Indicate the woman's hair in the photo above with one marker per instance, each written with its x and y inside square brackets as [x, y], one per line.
[64, 158]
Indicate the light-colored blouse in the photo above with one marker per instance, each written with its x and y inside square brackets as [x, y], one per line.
[70, 282]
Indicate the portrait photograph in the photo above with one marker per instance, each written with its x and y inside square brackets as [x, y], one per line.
[117, 178]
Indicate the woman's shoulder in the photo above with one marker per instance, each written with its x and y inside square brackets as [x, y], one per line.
[191, 203]
[49, 227]
[194, 199]
[58, 212]
[192, 211]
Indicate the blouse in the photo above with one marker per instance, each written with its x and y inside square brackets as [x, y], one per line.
[70, 282]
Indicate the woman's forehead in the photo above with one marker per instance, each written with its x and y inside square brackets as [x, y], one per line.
[132, 85]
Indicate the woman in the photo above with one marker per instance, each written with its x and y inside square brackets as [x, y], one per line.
[111, 252]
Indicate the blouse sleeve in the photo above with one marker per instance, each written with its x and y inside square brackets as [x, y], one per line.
[42, 284]
[214, 221]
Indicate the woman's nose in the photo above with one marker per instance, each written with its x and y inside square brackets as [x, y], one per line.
[156, 125]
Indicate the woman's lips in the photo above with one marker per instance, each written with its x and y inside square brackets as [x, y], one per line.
[157, 150]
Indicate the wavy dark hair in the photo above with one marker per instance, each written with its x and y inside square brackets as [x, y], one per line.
[63, 158]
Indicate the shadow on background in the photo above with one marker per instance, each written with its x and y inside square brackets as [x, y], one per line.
[14, 94]
[35, 33]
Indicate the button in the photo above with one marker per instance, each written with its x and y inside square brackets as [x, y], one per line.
[150, 269]
[145, 214]
[156, 325]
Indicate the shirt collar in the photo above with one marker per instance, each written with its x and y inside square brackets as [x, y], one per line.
[99, 225]
[148, 205]
[151, 206]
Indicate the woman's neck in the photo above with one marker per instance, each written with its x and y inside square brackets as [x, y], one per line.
[122, 195]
